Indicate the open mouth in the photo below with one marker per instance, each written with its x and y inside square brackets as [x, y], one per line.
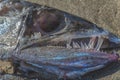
[65, 52]
[59, 29]
[56, 44]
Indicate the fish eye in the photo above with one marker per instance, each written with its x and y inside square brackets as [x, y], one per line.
[48, 21]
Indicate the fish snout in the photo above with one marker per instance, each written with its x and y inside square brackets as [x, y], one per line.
[114, 57]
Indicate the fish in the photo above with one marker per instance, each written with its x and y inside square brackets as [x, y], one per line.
[45, 43]
[60, 63]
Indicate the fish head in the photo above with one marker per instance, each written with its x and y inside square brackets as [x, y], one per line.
[56, 44]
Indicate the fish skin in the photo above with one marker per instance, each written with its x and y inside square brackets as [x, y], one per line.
[71, 63]
[70, 51]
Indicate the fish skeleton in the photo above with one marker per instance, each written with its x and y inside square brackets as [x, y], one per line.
[46, 43]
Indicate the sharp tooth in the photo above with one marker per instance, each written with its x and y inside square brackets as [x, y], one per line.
[68, 44]
[79, 43]
[92, 42]
[99, 43]
[86, 46]
[82, 46]
[76, 45]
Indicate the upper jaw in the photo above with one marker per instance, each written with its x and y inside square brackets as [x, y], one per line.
[102, 42]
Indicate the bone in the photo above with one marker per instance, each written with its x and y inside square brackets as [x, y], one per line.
[68, 44]
[33, 55]
[99, 43]
[82, 45]
[86, 46]
[76, 45]
[92, 42]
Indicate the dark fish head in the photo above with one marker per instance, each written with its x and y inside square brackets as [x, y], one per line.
[53, 43]
[65, 46]
[57, 28]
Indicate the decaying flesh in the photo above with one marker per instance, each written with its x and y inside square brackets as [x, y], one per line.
[40, 41]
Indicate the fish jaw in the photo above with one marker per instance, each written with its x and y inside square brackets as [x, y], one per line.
[63, 65]
[114, 57]
[66, 67]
